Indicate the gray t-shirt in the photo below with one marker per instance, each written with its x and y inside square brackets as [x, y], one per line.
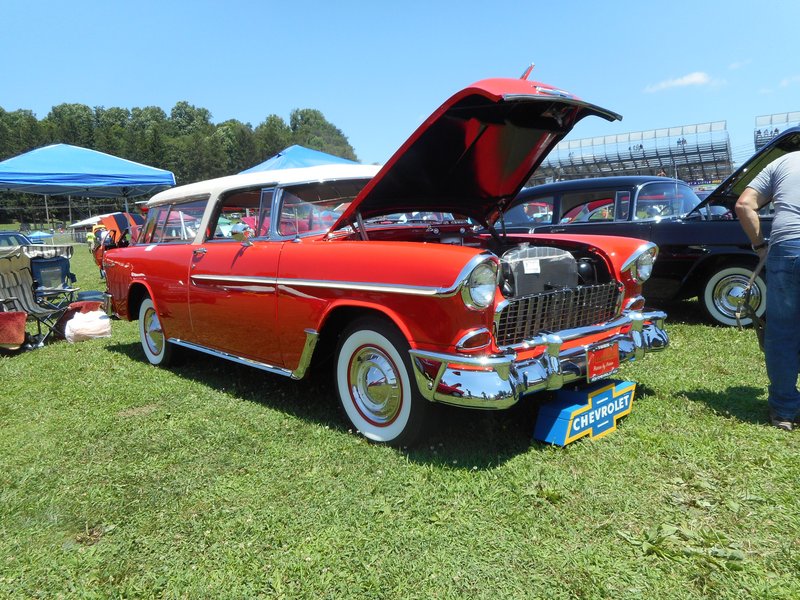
[780, 181]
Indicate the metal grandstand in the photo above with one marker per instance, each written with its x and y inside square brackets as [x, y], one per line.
[768, 126]
[695, 153]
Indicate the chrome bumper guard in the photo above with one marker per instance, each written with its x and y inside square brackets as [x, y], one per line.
[499, 381]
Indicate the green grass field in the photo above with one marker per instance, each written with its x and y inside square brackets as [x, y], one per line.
[210, 480]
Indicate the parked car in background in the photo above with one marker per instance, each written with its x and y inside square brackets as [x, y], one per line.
[703, 250]
[381, 271]
[13, 238]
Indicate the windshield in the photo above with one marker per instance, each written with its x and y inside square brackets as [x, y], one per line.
[315, 207]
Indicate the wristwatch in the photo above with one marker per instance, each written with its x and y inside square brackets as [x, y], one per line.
[757, 247]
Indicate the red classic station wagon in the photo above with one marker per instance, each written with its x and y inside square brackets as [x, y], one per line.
[391, 274]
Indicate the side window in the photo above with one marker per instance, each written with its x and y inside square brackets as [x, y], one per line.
[179, 222]
[656, 200]
[531, 212]
[241, 214]
[592, 205]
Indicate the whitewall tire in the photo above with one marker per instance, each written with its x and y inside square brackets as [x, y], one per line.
[375, 384]
[157, 349]
[723, 290]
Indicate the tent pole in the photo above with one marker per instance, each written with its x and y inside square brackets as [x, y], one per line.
[69, 205]
[46, 213]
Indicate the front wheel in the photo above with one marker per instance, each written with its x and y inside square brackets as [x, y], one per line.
[724, 291]
[374, 381]
[154, 343]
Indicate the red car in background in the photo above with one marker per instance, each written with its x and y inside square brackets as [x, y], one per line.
[387, 271]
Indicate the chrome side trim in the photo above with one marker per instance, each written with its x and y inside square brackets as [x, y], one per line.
[270, 281]
[232, 357]
[312, 337]
[361, 286]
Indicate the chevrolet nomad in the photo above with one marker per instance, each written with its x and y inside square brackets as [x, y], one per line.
[402, 278]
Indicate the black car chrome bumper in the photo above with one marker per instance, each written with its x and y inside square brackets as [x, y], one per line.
[497, 382]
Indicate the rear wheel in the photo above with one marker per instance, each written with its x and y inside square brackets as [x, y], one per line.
[724, 291]
[375, 384]
[154, 343]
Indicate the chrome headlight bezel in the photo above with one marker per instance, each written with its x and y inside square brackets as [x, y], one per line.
[480, 287]
[639, 265]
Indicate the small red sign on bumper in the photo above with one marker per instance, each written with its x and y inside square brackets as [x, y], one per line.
[602, 361]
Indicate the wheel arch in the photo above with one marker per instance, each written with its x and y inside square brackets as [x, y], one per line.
[696, 279]
[336, 321]
[137, 292]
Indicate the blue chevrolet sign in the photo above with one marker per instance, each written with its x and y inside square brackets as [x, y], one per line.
[592, 411]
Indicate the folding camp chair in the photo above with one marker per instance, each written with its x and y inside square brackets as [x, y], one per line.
[17, 294]
[53, 280]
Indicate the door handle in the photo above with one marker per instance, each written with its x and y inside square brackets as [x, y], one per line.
[199, 251]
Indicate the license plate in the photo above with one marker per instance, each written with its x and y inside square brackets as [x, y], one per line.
[602, 361]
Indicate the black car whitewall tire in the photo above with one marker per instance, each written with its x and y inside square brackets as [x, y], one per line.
[154, 343]
[721, 293]
[375, 385]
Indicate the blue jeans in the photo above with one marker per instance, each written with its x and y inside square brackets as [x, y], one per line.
[782, 330]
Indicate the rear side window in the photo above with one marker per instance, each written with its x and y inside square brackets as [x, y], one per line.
[173, 223]
[588, 206]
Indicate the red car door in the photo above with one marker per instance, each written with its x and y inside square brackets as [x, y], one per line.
[232, 298]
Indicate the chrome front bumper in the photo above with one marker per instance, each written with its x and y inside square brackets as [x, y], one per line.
[499, 381]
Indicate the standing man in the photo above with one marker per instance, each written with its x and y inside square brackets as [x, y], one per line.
[779, 183]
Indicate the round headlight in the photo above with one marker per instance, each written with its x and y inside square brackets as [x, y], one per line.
[481, 286]
[644, 267]
[640, 264]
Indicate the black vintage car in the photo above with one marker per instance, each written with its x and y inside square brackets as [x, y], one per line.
[703, 249]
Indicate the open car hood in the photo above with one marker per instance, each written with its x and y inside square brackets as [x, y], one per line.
[729, 190]
[474, 153]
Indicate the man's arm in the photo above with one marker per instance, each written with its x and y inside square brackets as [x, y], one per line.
[747, 210]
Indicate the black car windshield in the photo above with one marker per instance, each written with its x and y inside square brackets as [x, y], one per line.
[664, 199]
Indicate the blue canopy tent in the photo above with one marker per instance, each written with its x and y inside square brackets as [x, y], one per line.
[298, 156]
[62, 169]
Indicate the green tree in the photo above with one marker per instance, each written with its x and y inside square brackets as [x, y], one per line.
[70, 124]
[311, 129]
[271, 136]
[237, 142]
[187, 119]
[110, 129]
[20, 132]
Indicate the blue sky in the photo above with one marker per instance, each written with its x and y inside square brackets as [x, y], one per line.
[377, 69]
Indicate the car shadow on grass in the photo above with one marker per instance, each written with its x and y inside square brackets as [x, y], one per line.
[686, 312]
[744, 403]
[459, 438]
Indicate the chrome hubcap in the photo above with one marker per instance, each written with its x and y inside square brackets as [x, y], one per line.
[729, 293]
[153, 335]
[375, 386]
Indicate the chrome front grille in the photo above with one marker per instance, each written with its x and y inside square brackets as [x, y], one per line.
[523, 318]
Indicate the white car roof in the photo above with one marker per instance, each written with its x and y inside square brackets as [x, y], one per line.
[214, 187]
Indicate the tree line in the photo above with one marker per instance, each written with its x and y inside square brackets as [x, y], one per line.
[185, 141]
